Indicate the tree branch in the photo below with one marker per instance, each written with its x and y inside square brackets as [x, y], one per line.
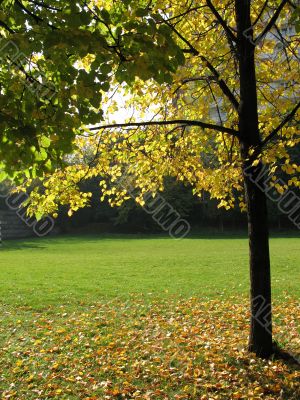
[198, 78]
[184, 122]
[223, 86]
[32, 15]
[288, 118]
[260, 13]
[221, 21]
[292, 4]
[35, 17]
[225, 89]
[192, 49]
[184, 13]
[5, 26]
[272, 21]
[43, 5]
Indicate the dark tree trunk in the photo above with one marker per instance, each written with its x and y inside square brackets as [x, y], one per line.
[260, 340]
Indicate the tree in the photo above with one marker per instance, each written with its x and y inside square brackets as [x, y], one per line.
[56, 60]
[238, 58]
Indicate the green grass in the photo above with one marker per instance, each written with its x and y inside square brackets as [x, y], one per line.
[69, 270]
[87, 318]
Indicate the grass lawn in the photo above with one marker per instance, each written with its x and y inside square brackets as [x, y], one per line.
[63, 270]
[141, 318]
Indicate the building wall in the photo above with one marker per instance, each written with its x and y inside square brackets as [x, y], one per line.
[12, 227]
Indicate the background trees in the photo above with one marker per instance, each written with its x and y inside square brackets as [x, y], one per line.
[202, 213]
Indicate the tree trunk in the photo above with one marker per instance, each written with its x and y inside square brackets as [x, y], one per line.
[260, 340]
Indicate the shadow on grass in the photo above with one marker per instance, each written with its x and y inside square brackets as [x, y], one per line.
[42, 243]
[12, 245]
[291, 359]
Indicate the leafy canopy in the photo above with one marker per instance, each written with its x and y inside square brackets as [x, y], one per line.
[57, 59]
[133, 51]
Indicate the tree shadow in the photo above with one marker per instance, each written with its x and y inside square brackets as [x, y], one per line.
[291, 359]
[20, 245]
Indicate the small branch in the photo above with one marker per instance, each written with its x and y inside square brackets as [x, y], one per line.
[288, 118]
[43, 5]
[223, 86]
[184, 122]
[5, 26]
[35, 17]
[192, 49]
[272, 21]
[196, 79]
[261, 13]
[284, 44]
[216, 104]
[292, 4]
[221, 21]
[116, 47]
[184, 13]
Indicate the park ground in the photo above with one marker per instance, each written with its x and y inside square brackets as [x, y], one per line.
[142, 318]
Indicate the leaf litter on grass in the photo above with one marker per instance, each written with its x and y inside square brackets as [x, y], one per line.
[138, 349]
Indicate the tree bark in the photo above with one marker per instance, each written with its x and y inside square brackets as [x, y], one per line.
[260, 340]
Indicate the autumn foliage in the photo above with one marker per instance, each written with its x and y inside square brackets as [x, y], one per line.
[159, 349]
